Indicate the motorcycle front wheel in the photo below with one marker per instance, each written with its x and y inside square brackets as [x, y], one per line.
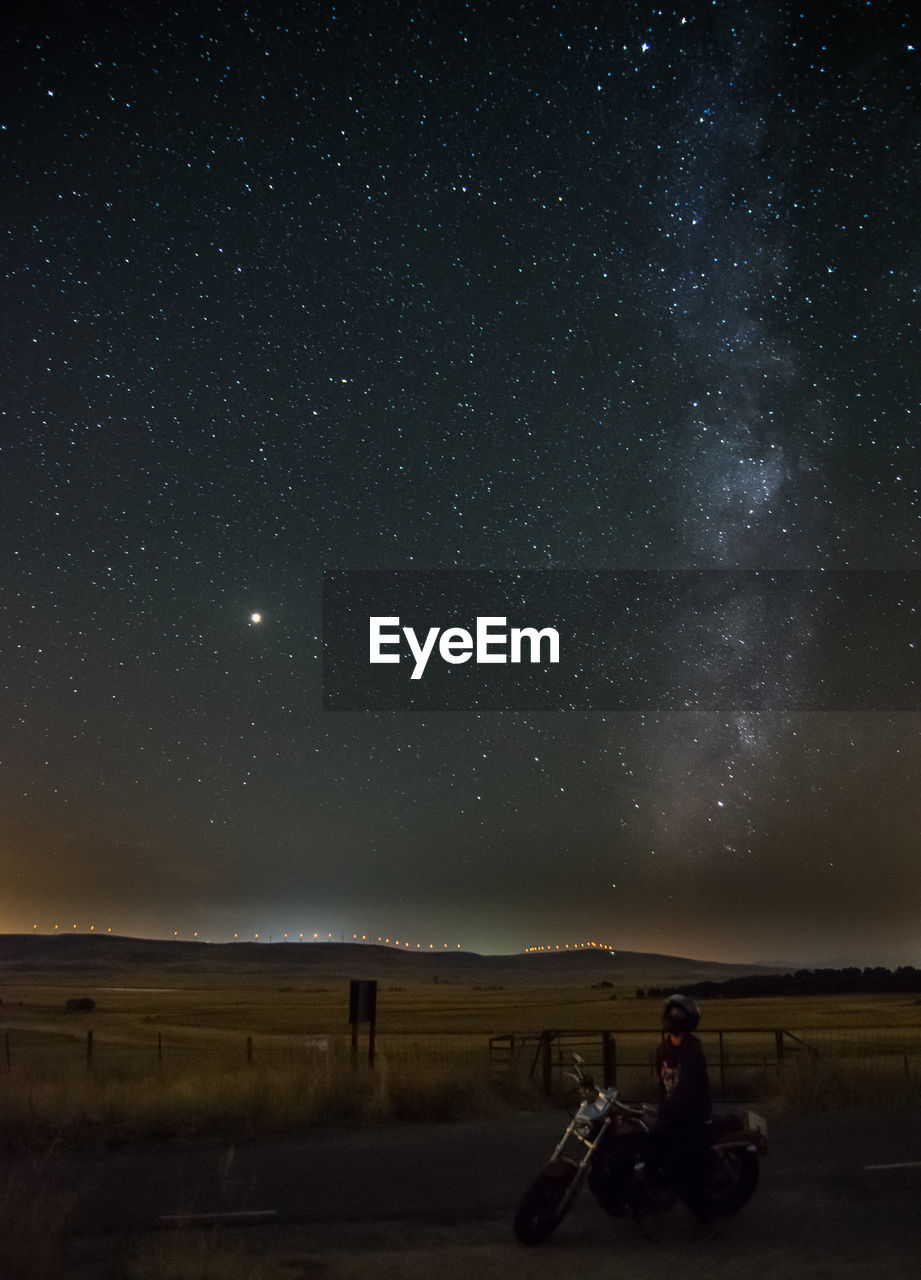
[732, 1178]
[545, 1203]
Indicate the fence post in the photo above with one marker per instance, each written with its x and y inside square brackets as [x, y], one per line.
[608, 1060]
[249, 1049]
[89, 1050]
[778, 1048]
[722, 1070]
[159, 1048]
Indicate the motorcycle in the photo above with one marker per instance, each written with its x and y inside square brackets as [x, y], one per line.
[618, 1164]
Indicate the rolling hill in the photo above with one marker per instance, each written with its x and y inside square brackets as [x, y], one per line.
[55, 957]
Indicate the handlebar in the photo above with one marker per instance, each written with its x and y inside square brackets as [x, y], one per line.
[609, 1097]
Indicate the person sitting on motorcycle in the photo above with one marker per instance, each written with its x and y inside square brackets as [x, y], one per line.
[684, 1091]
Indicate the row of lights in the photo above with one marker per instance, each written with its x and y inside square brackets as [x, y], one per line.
[92, 929]
[397, 942]
[288, 937]
[57, 927]
[575, 946]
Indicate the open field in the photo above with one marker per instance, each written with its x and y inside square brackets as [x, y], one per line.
[189, 1009]
[182, 1049]
[225, 1008]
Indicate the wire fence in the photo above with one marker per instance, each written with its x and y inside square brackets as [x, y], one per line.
[741, 1060]
[44, 1054]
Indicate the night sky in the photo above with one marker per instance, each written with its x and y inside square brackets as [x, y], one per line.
[582, 287]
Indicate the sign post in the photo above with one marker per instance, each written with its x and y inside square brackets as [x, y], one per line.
[362, 1008]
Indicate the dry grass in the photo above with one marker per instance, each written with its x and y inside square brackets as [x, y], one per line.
[97, 1110]
[835, 1084]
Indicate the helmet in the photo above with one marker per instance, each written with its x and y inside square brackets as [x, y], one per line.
[679, 1013]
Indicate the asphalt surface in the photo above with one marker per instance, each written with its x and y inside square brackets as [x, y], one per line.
[421, 1199]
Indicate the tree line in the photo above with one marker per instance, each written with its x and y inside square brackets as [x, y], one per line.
[804, 982]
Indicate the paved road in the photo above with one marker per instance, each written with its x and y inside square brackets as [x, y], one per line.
[446, 1192]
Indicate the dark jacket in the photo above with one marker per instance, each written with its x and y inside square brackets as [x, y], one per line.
[684, 1086]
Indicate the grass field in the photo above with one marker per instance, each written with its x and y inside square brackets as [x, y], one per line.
[179, 1052]
[219, 1015]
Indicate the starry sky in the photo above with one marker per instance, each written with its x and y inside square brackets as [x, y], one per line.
[291, 289]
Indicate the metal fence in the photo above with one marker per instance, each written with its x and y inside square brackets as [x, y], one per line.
[739, 1058]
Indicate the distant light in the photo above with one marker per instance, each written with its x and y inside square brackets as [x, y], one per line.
[255, 617]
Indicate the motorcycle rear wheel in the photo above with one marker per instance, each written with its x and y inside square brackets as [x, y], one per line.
[732, 1178]
[545, 1204]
